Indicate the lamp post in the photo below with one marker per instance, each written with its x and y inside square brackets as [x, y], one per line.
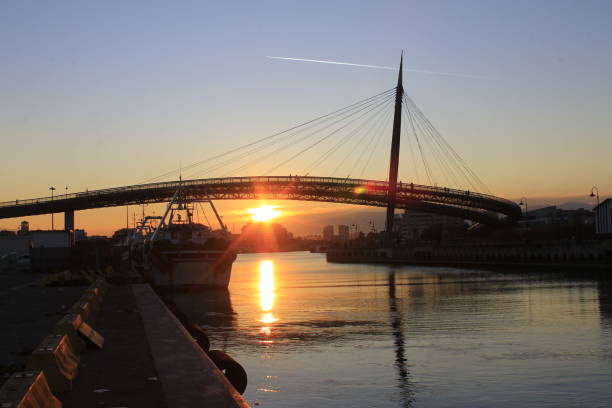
[52, 190]
[524, 203]
[595, 193]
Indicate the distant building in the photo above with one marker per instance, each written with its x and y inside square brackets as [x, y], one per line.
[51, 239]
[24, 228]
[313, 237]
[554, 215]
[603, 218]
[80, 234]
[411, 224]
[265, 237]
[343, 232]
[328, 232]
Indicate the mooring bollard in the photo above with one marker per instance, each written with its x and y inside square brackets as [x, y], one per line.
[27, 389]
[231, 368]
[95, 290]
[79, 333]
[101, 284]
[91, 336]
[55, 357]
[84, 309]
[69, 325]
[94, 300]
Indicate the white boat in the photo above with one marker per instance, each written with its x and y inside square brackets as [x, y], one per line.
[182, 254]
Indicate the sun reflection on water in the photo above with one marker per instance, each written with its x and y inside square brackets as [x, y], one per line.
[266, 293]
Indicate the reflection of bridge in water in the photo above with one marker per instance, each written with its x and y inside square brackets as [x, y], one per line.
[370, 114]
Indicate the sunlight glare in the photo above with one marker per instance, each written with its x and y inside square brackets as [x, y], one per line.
[263, 213]
[266, 285]
[266, 290]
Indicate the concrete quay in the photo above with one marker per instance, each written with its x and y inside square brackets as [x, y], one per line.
[148, 358]
[567, 256]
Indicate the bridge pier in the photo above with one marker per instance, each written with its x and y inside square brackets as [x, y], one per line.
[69, 220]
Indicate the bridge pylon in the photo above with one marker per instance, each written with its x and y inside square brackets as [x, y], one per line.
[395, 149]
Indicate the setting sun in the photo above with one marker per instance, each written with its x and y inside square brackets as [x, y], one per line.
[264, 213]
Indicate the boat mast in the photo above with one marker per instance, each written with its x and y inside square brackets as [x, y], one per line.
[163, 219]
[223, 227]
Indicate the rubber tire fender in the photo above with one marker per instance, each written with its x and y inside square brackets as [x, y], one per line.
[199, 336]
[231, 368]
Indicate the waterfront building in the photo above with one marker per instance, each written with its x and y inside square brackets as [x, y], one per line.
[313, 237]
[24, 228]
[553, 215]
[51, 239]
[603, 218]
[328, 232]
[343, 232]
[410, 225]
[80, 234]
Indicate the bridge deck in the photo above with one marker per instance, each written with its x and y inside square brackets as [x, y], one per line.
[465, 204]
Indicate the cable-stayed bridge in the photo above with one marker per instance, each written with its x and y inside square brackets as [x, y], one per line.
[347, 138]
[469, 205]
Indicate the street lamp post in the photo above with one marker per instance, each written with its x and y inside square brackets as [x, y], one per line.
[52, 190]
[595, 193]
[524, 203]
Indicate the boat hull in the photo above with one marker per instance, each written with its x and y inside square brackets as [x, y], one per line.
[191, 269]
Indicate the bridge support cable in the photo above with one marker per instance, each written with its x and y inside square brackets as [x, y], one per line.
[295, 143]
[359, 126]
[375, 123]
[445, 168]
[416, 177]
[423, 157]
[266, 138]
[469, 174]
[288, 143]
[320, 140]
[249, 153]
[321, 159]
[447, 163]
[376, 135]
[297, 129]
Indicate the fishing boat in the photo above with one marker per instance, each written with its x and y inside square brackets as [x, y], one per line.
[183, 254]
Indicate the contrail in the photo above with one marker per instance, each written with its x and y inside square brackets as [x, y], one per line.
[421, 71]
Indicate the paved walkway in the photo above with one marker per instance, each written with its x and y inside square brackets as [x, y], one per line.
[123, 373]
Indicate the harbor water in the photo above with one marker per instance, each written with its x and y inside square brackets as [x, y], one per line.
[316, 334]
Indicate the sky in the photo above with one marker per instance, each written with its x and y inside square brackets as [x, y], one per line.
[103, 94]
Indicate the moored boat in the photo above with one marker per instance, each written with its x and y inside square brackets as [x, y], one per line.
[183, 254]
